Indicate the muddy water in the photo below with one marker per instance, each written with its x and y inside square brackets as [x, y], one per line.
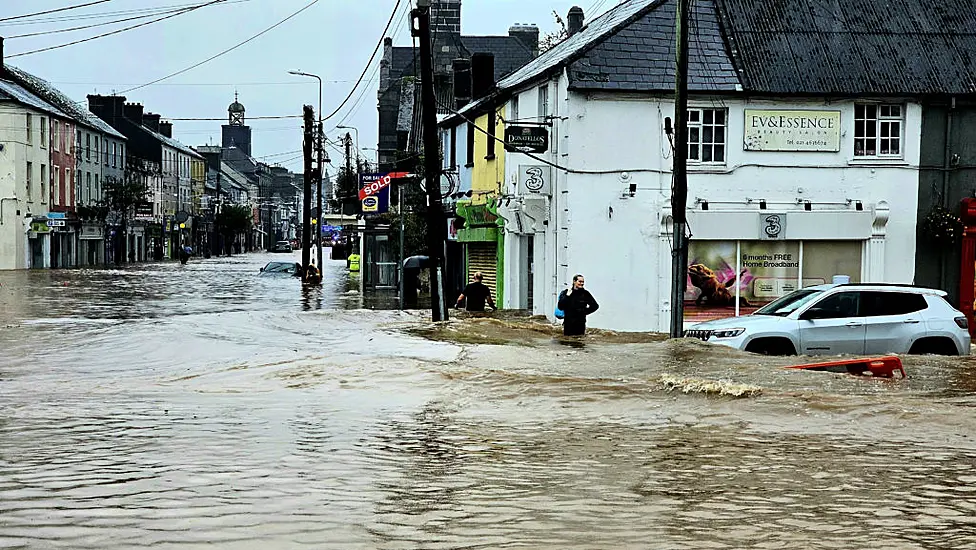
[206, 407]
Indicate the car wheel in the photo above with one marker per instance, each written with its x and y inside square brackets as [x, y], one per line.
[771, 346]
[934, 346]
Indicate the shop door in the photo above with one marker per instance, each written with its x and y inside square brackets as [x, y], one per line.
[385, 267]
[37, 252]
[483, 257]
[530, 276]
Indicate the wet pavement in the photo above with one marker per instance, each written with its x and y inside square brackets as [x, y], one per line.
[205, 406]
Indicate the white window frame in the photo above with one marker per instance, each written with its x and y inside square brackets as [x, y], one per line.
[878, 125]
[698, 127]
[30, 181]
[43, 128]
[30, 129]
[44, 183]
[56, 135]
[55, 185]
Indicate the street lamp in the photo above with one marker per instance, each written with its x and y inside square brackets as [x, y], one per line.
[321, 137]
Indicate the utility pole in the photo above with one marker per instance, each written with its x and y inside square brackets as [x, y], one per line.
[402, 227]
[307, 145]
[436, 225]
[318, 177]
[348, 143]
[679, 196]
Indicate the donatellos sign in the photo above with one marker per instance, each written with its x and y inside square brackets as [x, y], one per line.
[526, 139]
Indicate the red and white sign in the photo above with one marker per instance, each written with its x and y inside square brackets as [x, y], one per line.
[380, 184]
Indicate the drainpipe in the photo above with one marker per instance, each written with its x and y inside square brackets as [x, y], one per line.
[947, 158]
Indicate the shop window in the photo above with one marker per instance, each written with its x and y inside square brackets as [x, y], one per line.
[878, 130]
[707, 136]
[729, 278]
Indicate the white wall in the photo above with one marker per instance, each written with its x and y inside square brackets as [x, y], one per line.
[625, 255]
[13, 177]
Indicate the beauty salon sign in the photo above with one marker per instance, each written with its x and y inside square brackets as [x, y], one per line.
[780, 130]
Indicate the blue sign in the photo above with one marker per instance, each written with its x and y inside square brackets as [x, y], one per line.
[55, 215]
[378, 202]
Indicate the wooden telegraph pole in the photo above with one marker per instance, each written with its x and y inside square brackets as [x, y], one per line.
[436, 224]
[679, 196]
[307, 145]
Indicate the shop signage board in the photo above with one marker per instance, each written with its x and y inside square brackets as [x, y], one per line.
[792, 130]
[55, 215]
[526, 139]
[535, 180]
[55, 223]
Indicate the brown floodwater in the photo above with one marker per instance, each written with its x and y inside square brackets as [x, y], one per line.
[205, 406]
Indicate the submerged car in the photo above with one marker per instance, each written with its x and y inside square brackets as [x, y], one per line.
[846, 319]
[283, 246]
[280, 268]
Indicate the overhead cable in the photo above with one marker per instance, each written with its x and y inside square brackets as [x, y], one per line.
[66, 8]
[228, 50]
[393, 15]
[117, 31]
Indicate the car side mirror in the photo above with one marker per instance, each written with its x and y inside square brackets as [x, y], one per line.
[262, 269]
[816, 313]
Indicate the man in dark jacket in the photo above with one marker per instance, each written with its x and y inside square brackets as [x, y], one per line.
[576, 303]
[476, 294]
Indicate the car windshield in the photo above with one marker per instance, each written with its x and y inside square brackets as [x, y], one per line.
[279, 267]
[789, 303]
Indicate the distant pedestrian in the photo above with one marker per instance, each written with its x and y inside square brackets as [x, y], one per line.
[475, 295]
[576, 303]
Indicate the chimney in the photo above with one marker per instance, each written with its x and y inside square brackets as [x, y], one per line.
[462, 82]
[166, 128]
[575, 20]
[385, 63]
[482, 74]
[528, 35]
[445, 17]
[133, 112]
[151, 121]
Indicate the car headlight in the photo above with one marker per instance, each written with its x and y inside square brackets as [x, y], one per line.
[728, 332]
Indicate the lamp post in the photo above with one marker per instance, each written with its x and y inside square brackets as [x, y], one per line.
[319, 146]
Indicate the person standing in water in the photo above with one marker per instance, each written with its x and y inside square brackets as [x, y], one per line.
[576, 303]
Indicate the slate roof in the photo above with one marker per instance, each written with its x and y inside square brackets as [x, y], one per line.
[510, 52]
[641, 55]
[781, 47]
[72, 109]
[173, 143]
[853, 46]
[12, 91]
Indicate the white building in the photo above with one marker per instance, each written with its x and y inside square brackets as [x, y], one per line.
[790, 183]
[25, 192]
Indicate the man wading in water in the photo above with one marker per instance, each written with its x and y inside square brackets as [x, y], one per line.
[476, 294]
[576, 302]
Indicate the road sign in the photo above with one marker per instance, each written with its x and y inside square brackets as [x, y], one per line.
[55, 223]
[372, 184]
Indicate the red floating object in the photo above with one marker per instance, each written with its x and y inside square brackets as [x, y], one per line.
[878, 367]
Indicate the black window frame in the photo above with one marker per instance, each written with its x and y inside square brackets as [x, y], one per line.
[470, 152]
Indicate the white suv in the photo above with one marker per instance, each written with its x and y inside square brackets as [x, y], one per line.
[854, 319]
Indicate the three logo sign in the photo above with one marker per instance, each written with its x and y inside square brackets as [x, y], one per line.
[773, 226]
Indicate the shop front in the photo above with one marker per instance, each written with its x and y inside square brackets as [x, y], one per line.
[483, 239]
[91, 245]
[739, 261]
[38, 243]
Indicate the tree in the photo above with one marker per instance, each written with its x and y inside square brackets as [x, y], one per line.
[551, 39]
[122, 196]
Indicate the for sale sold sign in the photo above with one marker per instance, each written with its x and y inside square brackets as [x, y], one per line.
[372, 184]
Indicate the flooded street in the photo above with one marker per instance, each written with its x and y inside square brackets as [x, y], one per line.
[196, 406]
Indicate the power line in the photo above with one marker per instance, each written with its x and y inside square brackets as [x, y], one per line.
[225, 118]
[157, 10]
[288, 83]
[232, 48]
[55, 10]
[393, 15]
[93, 25]
[117, 31]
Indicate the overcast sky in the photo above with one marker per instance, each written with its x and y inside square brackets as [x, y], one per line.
[332, 38]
